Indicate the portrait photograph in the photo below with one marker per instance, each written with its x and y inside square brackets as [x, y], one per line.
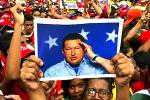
[70, 48]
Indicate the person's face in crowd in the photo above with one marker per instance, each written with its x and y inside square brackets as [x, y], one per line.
[97, 89]
[28, 25]
[43, 15]
[73, 51]
[76, 89]
[36, 14]
[31, 7]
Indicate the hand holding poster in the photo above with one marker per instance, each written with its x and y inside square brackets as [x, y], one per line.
[65, 55]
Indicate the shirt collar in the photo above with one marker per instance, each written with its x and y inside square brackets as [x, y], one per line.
[29, 35]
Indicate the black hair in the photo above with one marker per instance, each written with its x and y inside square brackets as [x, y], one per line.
[35, 9]
[6, 28]
[72, 36]
[28, 17]
[5, 40]
[142, 59]
[109, 80]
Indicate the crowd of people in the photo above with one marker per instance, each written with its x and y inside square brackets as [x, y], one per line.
[20, 71]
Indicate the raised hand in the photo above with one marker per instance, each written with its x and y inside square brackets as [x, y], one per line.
[88, 50]
[30, 73]
[124, 69]
[17, 13]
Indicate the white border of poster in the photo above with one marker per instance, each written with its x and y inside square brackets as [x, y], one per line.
[70, 22]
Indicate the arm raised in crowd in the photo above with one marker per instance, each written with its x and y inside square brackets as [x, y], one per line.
[13, 58]
[145, 47]
[136, 28]
[124, 68]
[53, 13]
[96, 7]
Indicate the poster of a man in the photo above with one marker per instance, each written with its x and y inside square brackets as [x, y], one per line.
[77, 48]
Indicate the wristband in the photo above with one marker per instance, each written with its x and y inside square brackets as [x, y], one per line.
[94, 57]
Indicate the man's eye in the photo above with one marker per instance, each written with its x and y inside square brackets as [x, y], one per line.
[91, 92]
[103, 92]
[77, 47]
[68, 48]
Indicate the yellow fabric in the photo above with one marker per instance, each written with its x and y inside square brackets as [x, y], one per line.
[114, 93]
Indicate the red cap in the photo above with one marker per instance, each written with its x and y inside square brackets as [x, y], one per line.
[132, 14]
[145, 36]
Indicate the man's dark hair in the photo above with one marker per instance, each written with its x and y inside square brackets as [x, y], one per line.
[35, 9]
[3, 29]
[28, 17]
[72, 36]
[5, 40]
[109, 80]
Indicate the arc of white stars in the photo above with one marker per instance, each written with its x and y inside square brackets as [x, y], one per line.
[51, 42]
[84, 34]
[111, 36]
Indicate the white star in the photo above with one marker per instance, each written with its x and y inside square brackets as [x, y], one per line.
[51, 42]
[84, 34]
[111, 36]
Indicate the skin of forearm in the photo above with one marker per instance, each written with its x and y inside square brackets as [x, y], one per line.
[122, 92]
[97, 9]
[107, 64]
[132, 32]
[14, 54]
[37, 94]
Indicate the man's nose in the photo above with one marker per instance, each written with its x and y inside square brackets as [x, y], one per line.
[73, 52]
[96, 97]
[76, 89]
